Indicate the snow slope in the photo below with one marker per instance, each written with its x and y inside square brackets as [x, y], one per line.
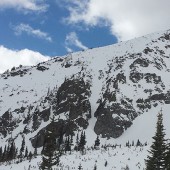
[25, 86]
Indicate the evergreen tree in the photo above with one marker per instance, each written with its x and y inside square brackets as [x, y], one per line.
[50, 156]
[71, 143]
[7, 152]
[35, 152]
[127, 144]
[127, 167]
[105, 164]
[80, 167]
[67, 144]
[95, 167]
[138, 143]
[16, 152]
[77, 142]
[167, 161]
[156, 159]
[97, 142]
[4, 154]
[133, 143]
[35, 148]
[30, 156]
[12, 151]
[26, 153]
[22, 147]
[60, 139]
[82, 142]
[0, 154]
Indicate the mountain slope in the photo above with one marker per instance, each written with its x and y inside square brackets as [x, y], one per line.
[114, 91]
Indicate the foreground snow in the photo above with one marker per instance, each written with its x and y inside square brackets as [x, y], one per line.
[117, 158]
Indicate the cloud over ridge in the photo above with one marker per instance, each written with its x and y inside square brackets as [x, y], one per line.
[10, 58]
[126, 18]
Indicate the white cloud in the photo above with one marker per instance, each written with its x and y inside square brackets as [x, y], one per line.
[25, 28]
[126, 18]
[72, 41]
[10, 58]
[30, 5]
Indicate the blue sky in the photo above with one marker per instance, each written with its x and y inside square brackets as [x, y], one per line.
[16, 26]
[32, 31]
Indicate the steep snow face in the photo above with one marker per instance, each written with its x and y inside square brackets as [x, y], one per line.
[127, 85]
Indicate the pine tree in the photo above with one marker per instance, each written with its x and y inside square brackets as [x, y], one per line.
[95, 167]
[35, 148]
[82, 142]
[167, 161]
[105, 164]
[133, 143]
[22, 147]
[30, 156]
[67, 144]
[4, 154]
[127, 144]
[71, 143]
[7, 152]
[60, 139]
[0, 154]
[35, 152]
[50, 156]
[26, 153]
[127, 167]
[12, 151]
[138, 143]
[97, 142]
[156, 159]
[77, 142]
[80, 167]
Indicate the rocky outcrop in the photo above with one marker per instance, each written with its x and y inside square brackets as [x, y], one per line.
[41, 67]
[135, 76]
[72, 99]
[71, 107]
[113, 120]
[7, 123]
[141, 62]
[113, 116]
[60, 128]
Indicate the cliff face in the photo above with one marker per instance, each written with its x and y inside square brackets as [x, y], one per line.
[102, 89]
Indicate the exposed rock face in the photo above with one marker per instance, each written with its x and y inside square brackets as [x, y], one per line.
[113, 116]
[15, 72]
[7, 123]
[60, 128]
[113, 120]
[141, 62]
[41, 67]
[73, 99]
[135, 76]
[147, 50]
[71, 105]
[152, 78]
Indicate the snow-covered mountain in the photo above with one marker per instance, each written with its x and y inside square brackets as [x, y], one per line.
[114, 91]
